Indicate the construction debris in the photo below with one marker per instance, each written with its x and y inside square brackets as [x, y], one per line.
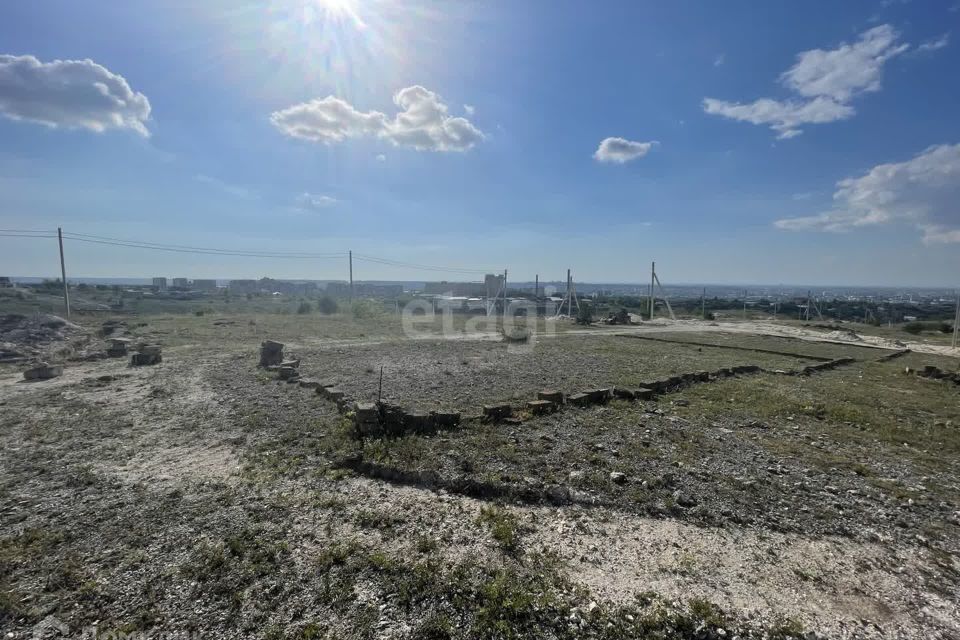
[43, 371]
[271, 353]
[148, 354]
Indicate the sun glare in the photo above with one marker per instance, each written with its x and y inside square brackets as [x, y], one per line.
[338, 10]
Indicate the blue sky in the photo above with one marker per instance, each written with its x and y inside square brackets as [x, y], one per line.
[731, 142]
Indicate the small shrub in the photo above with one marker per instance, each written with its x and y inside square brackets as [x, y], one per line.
[364, 309]
[305, 307]
[585, 315]
[327, 305]
[913, 328]
[503, 527]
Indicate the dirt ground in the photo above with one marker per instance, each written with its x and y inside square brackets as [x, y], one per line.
[202, 496]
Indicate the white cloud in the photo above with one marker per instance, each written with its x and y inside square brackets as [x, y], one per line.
[934, 45]
[423, 122]
[381, 157]
[719, 60]
[469, 109]
[620, 150]
[824, 83]
[923, 191]
[783, 117]
[73, 94]
[314, 202]
[846, 71]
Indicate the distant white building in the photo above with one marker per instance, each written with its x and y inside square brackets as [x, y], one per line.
[205, 285]
[183, 283]
[160, 284]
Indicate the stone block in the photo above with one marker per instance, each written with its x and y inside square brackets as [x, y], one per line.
[271, 353]
[540, 407]
[309, 383]
[417, 422]
[367, 412]
[150, 349]
[446, 419]
[333, 393]
[145, 359]
[287, 373]
[555, 397]
[599, 396]
[291, 363]
[496, 412]
[43, 372]
[643, 393]
[579, 399]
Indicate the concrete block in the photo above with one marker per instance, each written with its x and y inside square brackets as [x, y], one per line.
[286, 373]
[539, 407]
[643, 393]
[496, 412]
[143, 359]
[579, 399]
[43, 372]
[555, 397]
[446, 419]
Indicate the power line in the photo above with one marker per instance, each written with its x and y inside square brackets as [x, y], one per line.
[247, 253]
[397, 263]
[158, 245]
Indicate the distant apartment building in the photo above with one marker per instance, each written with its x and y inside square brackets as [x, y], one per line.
[487, 289]
[181, 283]
[5, 282]
[160, 284]
[205, 285]
[364, 289]
[244, 286]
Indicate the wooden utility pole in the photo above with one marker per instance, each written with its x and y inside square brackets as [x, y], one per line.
[703, 304]
[350, 255]
[536, 286]
[63, 272]
[504, 293]
[653, 271]
[956, 324]
[744, 304]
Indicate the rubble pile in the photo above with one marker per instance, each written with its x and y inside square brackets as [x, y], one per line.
[43, 371]
[147, 354]
[24, 337]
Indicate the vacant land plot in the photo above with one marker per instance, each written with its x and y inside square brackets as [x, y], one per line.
[428, 374]
[203, 496]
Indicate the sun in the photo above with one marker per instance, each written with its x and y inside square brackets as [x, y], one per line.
[339, 10]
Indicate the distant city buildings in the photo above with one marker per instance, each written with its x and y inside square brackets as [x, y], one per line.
[181, 283]
[205, 285]
[160, 284]
[489, 288]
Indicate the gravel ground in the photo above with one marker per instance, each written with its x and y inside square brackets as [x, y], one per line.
[202, 496]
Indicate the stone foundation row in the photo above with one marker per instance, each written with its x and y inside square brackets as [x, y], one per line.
[936, 373]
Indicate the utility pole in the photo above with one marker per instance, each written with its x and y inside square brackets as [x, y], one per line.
[536, 286]
[653, 271]
[744, 304]
[350, 254]
[956, 324]
[808, 306]
[63, 272]
[703, 304]
[504, 293]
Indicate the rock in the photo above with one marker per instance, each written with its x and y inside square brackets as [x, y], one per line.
[539, 407]
[418, 422]
[309, 383]
[497, 412]
[291, 363]
[618, 477]
[579, 399]
[288, 373]
[684, 499]
[43, 371]
[681, 402]
[624, 394]
[557, 494]
[446, 419]
[553, 396]
[145, 359]
[271, 353]
[599, 396]
[149, 349]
